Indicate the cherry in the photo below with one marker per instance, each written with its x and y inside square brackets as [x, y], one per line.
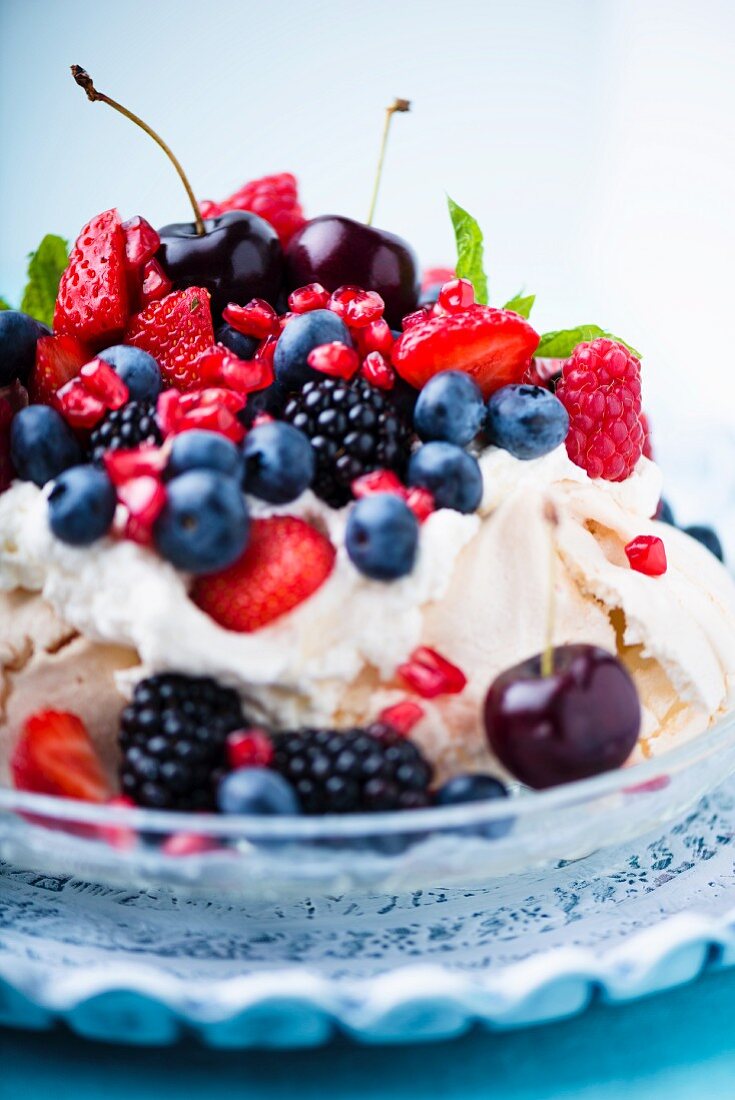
[579, 720]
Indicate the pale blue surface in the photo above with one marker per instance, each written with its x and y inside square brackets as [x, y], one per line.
[674, 1046]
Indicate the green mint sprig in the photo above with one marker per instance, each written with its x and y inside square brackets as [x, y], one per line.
[45, 268]
[470, 259]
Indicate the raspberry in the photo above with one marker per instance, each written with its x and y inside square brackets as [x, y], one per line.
[600, 388]
[274, 198]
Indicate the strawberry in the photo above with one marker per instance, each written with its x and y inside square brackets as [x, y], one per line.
[92, 303]
[55, 755]
[286, 562]
[175, 331]
[492, 345]
[58, 360]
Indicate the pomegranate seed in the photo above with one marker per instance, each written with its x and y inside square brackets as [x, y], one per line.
[79, 407]
[377, 481]
[307, 298]
[402, 717]
[143, 498]
[167, 410]
[647, 554]
[103, 382]
[267, 350]
[123, 465]
[188, 844]
[249, 749]
[376, 336]
[335, 359]
[213, 419]
[141, 242]
[257, 318]
[456, 294]
[156, 283]
[378, 372]
[416, 318]
[212, 397]
[263, 418]
[421, 502]
[284, 319]
[119, 836]
[218, 365]
[357, 307]
[430, 674]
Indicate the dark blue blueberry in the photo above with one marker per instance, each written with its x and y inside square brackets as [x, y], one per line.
[300, 336]
[139, 370]
[279, 462]
[528, 421]
[382, 537]
[451, 475]
[202, 450]
[708, 538]
[243, 346]
[450, 407]
[81, 505]
[476, 788]
[665, 513]
[272, 401]
[204, 524]
[42, 445]
[256, 791]
[19, 335]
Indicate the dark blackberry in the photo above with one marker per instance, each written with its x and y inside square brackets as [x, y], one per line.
[354, 428]
[172, 740]
[347, 771]
[124, 428]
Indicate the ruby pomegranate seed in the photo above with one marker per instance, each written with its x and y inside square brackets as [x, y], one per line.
[141, 241]
[144, 498]
[402, 717]
[647, 554]
[364, 310]
[219, 366]
[249, 749]
[104, 383]
[430, 674]
[376, 336]
[188, 844]
[79, 407]
[421, 502]
[284, 319]
[119, 836]
[377, 481]
[335, 359]
[257, 318]
[263, 418]
[156, 283]
[267, 350]
[167, 410]
[378, 372]
[307, 298]
[123, 465]
[456, 294]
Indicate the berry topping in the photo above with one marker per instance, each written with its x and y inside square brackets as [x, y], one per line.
[358, 308]
[430, 674]
[155, 283]
[452, 476]
[274, 198]
[42, 445]
[307, 298]
[124, 429]
[139, 370]
[80, 408]
[82, 505]
[58, 360]
[377, 371]
[299, 338]
[143, 498]
[353, 428]
[102, 382]
[175, 331]
[173, 741]
[450, 407]
[382, 537]
[470, 788]
[527, 421]
[203, 526]
[141, 243]
[601, 390]
[244, 347]
[19, 335]
[708, 538]
[7, 472]
[279, 462]
[493, 346]
[335, 360]
[352, 771]
[92, 303]
[202, 450]
[256, 791]
[455, 295]
[287, 560]
[647, 554]
[401, 717]
[55, 755]
[257, 318]
[249, 749]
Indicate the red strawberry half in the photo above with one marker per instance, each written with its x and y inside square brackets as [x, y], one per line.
[491, 345]
[175, 331]
[286, 562]
[92, 302]
[55, 755]
[58, 360]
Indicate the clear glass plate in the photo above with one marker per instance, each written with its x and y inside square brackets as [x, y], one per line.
[279, 858]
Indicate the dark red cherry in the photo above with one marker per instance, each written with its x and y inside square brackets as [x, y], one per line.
[238, 258]
[581, 720]
[337, 251]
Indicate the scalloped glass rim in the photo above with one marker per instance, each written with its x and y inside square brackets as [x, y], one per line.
[354, 826]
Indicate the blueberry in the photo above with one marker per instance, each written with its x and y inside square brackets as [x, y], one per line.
[256, 791]
[243, 346]
[19, 335]
[382, 537]
[450, 407]
[300, 336]
[279, 462]
[476, 788]
[81, 505]
[42, 445]
[528, 421]
[665, 513]
[708, 538]
[139, 370]
[451, 475]
[204, 524]
[202, 450]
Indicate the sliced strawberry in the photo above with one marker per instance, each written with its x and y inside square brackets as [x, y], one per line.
[55, 755]
[286, 562]
[58, 360]
[92, 303]
[175, 331]
[491, 345]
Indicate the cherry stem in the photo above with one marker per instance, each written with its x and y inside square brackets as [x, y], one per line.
[84, 80]
[547, 657]
[397, 106]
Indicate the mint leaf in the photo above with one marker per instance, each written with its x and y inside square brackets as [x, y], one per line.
[4, 304]
[45, 267]
[521, 305]
[561, 343]
[469, 250]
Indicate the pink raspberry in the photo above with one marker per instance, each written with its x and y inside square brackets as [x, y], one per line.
[275, 198]
[601, 390]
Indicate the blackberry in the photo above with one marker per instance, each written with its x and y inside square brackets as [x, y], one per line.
[354, 428]
[172, 740]
[347, 771]
[124, 428]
